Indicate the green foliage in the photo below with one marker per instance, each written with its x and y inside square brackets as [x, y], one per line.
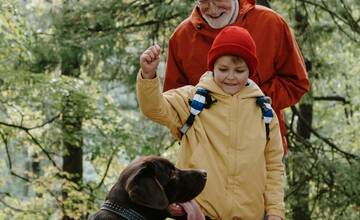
[322, 171]
[67, 58]
[81, 58]
[31, 125]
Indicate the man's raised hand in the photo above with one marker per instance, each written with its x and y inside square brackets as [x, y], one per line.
[149, 61]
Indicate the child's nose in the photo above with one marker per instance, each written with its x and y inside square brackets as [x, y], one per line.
[231, 75]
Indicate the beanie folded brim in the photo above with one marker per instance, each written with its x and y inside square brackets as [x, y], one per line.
[232, 50]
[235, 41]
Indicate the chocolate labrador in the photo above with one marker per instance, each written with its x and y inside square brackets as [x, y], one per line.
[146, 187]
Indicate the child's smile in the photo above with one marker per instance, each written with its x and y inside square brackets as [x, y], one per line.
[231, 74]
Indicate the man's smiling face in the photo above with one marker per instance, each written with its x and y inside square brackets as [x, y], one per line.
[217, 13]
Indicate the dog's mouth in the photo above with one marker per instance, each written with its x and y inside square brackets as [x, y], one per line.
[190, 208]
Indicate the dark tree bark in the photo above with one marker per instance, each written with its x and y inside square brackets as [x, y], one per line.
[300, 206]
[72, 117]
[72, 142]
[263, 3]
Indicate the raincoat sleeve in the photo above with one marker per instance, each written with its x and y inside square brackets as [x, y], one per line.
[274, 188]
[169, 109]
[174, 76]
[290, 81]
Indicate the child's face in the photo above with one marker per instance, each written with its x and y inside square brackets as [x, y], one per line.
[231, 73]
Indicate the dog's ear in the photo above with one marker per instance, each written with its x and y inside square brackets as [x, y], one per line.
[144, 189]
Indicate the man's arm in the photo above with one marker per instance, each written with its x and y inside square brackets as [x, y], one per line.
[174, 76]
[290, 81]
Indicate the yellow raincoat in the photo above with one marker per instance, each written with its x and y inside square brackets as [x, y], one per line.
[245, 171]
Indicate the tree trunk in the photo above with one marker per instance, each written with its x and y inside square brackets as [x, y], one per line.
[73, 153]
[300, 206]
[263, 3]
[72, 118]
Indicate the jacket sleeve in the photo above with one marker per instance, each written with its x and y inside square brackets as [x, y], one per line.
[274, 189]
[164, 108]
[174, 76]
[290, 81]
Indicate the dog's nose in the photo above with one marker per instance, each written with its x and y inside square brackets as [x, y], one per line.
[203, 173]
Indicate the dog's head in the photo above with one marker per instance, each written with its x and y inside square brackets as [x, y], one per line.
[155, 182]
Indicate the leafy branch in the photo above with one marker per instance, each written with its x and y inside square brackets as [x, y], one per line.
[347, 155]
[17, 209]
[346, 17]
[37, 142]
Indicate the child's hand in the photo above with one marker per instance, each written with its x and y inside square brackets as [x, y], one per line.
[273, 217]
[149, 61]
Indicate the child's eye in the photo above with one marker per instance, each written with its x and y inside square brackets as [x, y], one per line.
[240, 71]
[222, 69]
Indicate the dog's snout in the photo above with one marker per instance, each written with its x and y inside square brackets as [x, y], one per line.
[203, 173]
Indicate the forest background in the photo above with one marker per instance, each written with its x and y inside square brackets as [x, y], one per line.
[69, 119]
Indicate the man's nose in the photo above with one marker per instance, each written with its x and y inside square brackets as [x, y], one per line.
[212, 7]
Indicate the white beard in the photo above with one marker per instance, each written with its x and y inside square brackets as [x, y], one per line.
[225, 19]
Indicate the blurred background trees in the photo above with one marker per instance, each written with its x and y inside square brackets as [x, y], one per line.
[69, 120]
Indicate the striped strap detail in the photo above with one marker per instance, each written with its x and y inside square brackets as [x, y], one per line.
[267, 112]
[197, 105]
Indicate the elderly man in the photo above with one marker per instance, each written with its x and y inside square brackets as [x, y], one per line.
[281, 71]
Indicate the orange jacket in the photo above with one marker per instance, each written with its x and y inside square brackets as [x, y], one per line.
[281, 71]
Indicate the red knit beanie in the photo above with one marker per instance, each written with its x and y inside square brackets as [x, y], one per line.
[236, 41]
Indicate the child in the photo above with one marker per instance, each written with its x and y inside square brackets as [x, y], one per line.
[228, 139]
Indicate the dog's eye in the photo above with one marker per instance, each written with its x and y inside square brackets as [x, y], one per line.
[173, 174]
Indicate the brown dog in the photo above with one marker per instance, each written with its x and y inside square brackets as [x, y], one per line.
[145, 189]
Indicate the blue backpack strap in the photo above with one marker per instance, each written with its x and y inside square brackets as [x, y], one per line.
[267, 112]
[201, 100]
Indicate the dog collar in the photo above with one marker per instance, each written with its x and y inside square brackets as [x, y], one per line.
[126, 213]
